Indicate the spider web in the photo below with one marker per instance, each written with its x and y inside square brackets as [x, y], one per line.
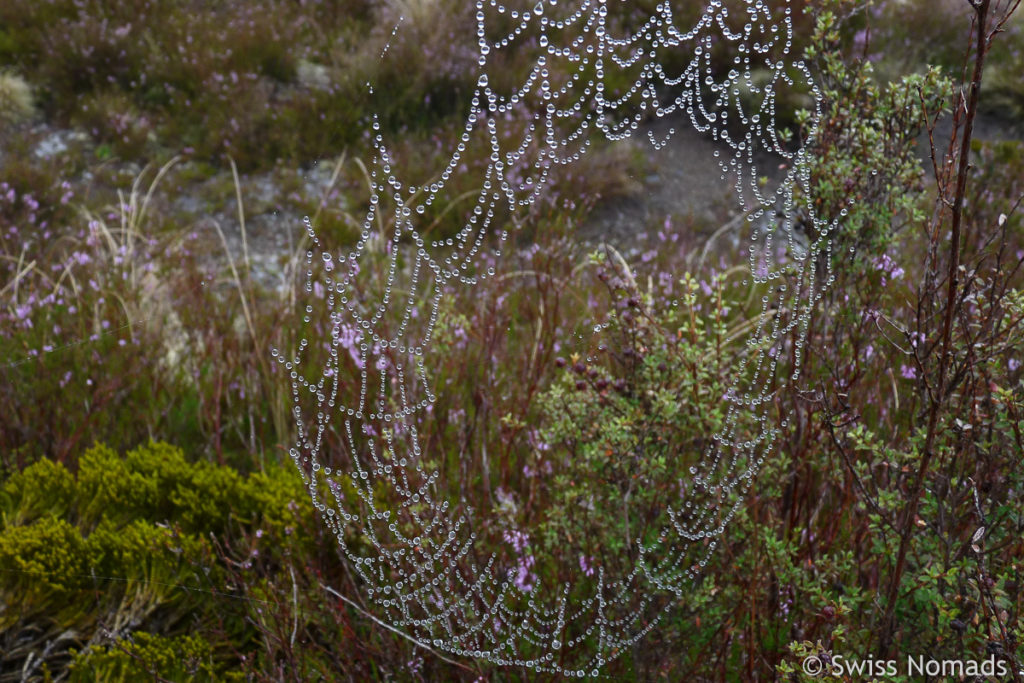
[358, 446]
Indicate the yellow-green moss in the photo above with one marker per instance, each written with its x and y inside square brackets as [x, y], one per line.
[144, 655]
[44, 564]
[43, 488]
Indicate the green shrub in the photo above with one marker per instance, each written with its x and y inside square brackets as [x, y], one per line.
[864, 163]
[45, 565]
[629, 422]
[143, 655]
[125, 547]
[43, 488]
[109, 488]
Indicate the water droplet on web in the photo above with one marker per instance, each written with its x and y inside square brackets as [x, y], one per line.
[363, 318]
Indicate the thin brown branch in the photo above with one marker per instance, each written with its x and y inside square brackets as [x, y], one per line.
[938, 398]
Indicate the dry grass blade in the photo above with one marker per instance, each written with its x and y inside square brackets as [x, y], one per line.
[241, 217]
[238, 285]
[327, 190]
[20, 272]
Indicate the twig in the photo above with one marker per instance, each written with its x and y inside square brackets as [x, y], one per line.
[414, 641]
[981, 8]
[295, 606]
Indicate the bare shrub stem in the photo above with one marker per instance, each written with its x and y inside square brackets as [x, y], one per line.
[939, 395]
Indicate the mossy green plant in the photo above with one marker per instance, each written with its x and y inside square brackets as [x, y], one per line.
[43, 488]
[144, 655]
[46, 564]
[125, 549]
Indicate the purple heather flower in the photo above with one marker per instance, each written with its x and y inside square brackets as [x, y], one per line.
[525, 579]
[518, 540]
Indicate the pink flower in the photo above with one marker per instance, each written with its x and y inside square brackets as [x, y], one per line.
[518, 539]
[525, 579]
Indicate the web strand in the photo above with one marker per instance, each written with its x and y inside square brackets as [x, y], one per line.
[419, 562]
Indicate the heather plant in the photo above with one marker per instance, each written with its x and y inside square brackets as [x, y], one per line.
[94, 286]
[112, 303]
[623, 424]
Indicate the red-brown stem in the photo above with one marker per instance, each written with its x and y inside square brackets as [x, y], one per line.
[938, 397]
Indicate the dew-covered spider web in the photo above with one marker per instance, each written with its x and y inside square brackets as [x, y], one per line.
[593, 73]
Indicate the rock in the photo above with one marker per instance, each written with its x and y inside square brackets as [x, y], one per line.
[312, 75]
[58, 142]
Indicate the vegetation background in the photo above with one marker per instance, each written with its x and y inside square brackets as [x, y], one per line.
[156, 159]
